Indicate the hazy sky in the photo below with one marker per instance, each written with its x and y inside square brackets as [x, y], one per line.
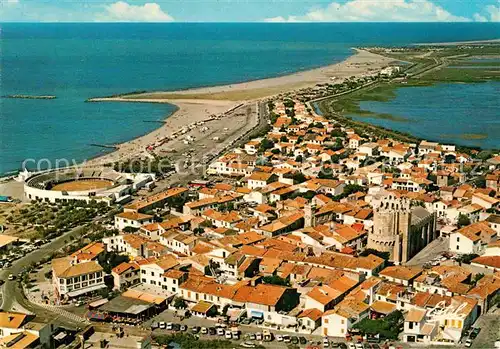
[250, 10]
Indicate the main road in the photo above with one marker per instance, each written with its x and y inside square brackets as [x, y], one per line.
[13, 297]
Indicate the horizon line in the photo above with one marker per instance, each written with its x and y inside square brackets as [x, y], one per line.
[247, 22]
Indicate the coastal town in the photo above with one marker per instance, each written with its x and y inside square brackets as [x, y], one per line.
[296, 230]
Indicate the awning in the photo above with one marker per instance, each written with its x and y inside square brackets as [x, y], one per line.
[234, 314]
[85, 290]
[98, 303]
[257, 314]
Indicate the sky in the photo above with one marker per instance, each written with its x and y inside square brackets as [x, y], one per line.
[250, 11]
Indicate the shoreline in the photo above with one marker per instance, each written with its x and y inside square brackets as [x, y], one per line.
[201, 103]
[359, 63]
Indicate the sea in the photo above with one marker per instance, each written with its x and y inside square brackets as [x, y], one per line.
[76, 61]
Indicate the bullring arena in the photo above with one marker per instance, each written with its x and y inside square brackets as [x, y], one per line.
[83, 184]
[100, 184]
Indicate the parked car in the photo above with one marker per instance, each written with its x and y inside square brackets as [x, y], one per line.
[279, 338]
[475, 331]
[302, 340]
[195, 329]
[183, 328]
[468, 343]
[258, 336]
[286, 338]
[11, 277]
[154, 325]
[204, 330]
[248, 344]
[326, 343]
[220, 331]
[251, 336]
[359, 345]
[212, 331]
[170, 326]
[176, 327]
[162, 324]
[294, 340]
[228, 335]
[352, 346]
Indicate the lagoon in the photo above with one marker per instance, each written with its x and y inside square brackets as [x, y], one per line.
[463, 114]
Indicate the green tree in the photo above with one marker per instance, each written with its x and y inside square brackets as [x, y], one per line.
[275, 280]
[265, 144]
[388, 327]
[463, 220]
[179, 303]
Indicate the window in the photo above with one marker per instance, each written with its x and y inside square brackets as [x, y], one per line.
[342, 321]
[341, 330]
[458, 247]
[143, 272]
[458, 238]
[326, 321]
[410, 325]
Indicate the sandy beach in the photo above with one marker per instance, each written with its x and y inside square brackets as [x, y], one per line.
[199, 105]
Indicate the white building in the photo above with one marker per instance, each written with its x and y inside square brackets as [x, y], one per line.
[132, 219]
[72, 280]
[336, 322]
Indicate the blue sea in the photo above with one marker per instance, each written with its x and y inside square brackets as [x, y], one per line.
[78, 61]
